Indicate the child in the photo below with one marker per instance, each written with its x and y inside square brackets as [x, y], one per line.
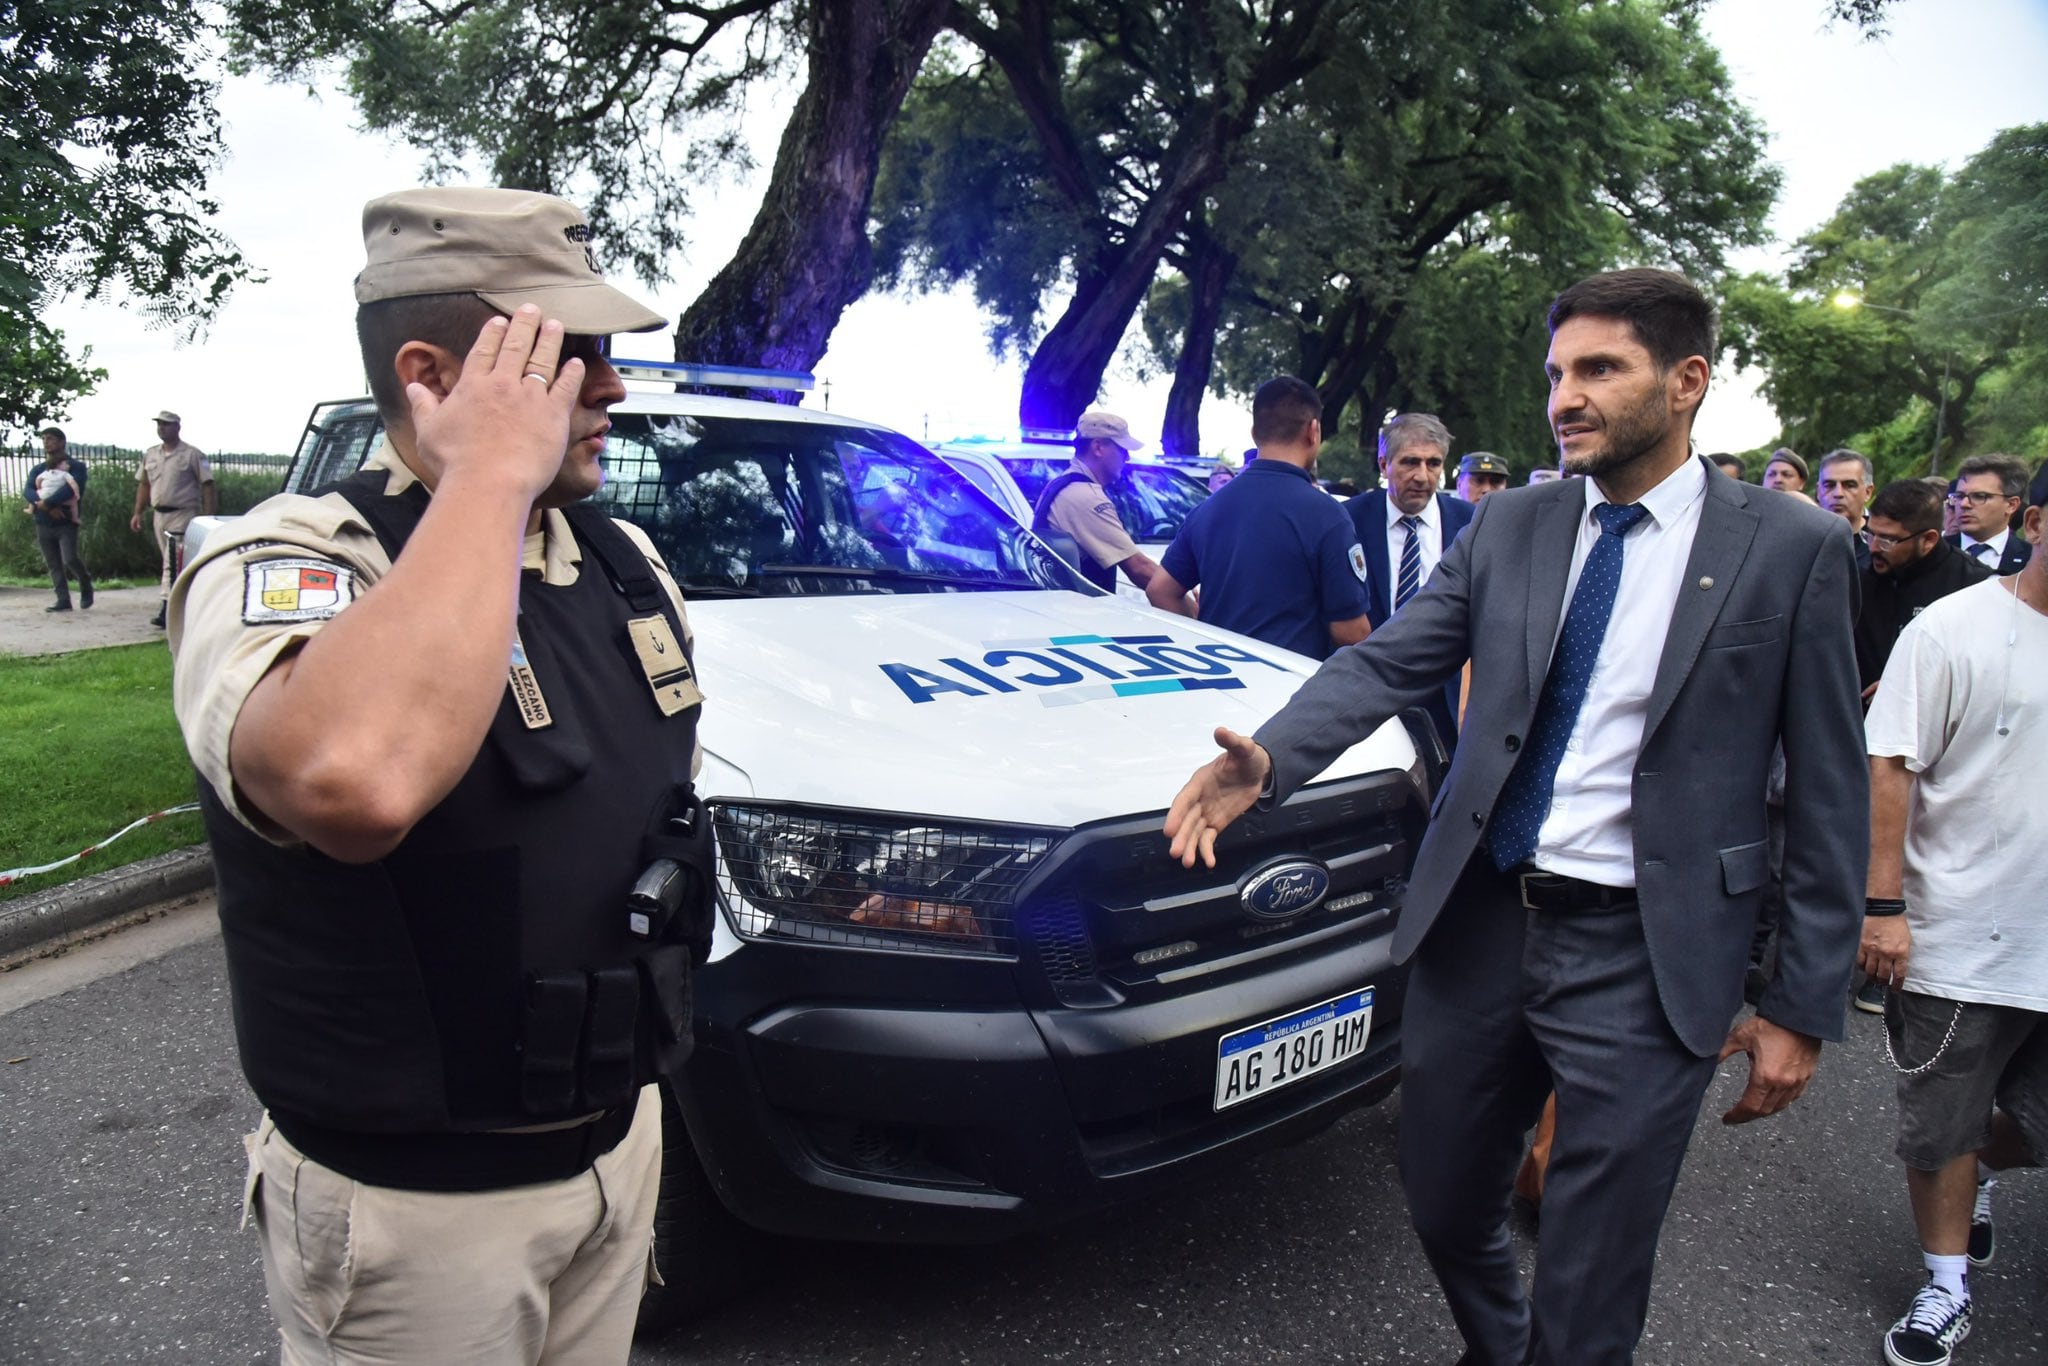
[58, 492]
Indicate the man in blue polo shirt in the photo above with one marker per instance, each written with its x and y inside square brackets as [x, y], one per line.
[1275, 557]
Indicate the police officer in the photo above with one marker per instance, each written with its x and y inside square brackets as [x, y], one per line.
[1275, 557]
[444, 720]
[174, 486]
[1481, 473]
[1076, 505]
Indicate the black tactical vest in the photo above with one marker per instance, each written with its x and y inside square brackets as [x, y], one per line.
[483, 974]
[1101, 575]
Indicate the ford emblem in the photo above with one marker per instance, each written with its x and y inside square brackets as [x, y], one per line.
[1284, 887]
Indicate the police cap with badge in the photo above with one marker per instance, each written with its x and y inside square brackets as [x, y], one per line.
[1483, 462]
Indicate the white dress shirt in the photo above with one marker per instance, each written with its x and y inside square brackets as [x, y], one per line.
[1997, 544]
[1588, 832]
[1432, 533]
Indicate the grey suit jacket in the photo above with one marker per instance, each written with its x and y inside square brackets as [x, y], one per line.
[1759, 651]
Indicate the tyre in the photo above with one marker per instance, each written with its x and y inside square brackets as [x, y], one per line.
[706, 1257]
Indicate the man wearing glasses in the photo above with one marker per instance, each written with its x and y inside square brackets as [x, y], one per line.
[1988, 493]
[1911, 567]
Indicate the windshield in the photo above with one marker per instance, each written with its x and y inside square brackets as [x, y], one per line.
[1151, 500]
[745, 507]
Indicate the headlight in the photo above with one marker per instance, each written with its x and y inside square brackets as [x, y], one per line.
[815, 876]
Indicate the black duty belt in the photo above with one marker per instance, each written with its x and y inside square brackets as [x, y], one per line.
[1551, 892]
[458, 1162]
[159, 507]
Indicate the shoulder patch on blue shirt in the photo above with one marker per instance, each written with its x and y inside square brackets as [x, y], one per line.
[1358, 560]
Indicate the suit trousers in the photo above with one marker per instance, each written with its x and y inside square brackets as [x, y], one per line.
[1504, 1006]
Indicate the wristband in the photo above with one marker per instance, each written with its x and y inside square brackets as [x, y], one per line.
[1883, 905]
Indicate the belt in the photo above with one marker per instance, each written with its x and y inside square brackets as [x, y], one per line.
[458, 1161]
[159, 507]
[1552, 892]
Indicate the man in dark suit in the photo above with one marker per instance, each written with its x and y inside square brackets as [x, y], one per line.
[1580, 912]
[1405, 526]
[1988, 493]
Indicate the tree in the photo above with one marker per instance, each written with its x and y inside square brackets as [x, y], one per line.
[107, 137]
[1947, 278]
[628, 110]
[1110, 123]
[1494, 152]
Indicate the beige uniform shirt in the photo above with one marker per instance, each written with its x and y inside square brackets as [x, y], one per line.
[268, 581]
[1084, 512]
[175, 473]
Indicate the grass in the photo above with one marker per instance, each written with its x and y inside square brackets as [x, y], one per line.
[87, 744]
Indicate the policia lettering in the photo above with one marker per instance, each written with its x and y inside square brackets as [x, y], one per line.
[1133, 664]
[390, 1015]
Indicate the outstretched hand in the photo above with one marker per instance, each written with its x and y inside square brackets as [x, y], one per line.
[1220, 791]
[1781, 1063]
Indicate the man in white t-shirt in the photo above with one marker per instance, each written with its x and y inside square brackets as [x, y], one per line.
[1958, 733]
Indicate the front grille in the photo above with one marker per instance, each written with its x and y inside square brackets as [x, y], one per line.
[1117, 917]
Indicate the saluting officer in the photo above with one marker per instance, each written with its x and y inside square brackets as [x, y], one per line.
[444, 721]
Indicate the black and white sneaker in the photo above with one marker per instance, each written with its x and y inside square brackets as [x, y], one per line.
[1928, 1335]
[1869, 997]
[1983, 1233]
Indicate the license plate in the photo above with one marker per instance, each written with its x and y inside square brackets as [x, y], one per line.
[1266, 1057]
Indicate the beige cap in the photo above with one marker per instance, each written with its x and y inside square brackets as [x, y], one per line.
[507, 247]
[168, 416]
[1100, 426]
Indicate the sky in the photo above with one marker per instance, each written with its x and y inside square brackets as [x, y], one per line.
[1949, 74]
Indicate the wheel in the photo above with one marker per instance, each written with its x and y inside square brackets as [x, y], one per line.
[705, 1255]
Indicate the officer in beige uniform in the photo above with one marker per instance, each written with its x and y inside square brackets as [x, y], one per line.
[176, 485]
[1075, 505]
[444, 719]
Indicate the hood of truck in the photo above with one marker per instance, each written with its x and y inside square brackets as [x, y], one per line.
[1040, 708]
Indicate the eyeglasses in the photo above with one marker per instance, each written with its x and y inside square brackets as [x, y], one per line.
[1882, 542]
[1978, 496]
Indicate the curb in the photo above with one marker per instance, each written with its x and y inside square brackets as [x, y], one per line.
[102, 897]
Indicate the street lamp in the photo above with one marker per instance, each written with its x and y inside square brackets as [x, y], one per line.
[1848, 299]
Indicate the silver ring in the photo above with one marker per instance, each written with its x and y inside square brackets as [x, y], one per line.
[535, 374]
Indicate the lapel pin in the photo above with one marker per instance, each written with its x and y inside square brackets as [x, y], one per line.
[1706, 583]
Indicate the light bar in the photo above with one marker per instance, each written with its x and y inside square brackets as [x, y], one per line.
[1045, 436]
[720, 376]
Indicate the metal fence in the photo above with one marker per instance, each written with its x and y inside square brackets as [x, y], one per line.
[16, 464]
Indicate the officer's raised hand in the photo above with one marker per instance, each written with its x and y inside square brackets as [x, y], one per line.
[507, 412]
[1221, 790]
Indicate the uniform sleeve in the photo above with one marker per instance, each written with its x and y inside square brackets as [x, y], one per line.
[250, 601]
[1909, 716]
[1340, 570]
[1084, 512]
[202, 468]
[1179, 559]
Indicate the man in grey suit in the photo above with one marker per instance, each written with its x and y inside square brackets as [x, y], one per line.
[1581, 908]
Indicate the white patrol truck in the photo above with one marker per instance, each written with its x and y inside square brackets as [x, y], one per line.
[959, 990]
[1152, 498]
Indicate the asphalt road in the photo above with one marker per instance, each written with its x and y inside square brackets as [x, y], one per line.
[121, 1109]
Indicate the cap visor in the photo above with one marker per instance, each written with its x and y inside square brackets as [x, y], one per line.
[593, 310]
[1129, 443]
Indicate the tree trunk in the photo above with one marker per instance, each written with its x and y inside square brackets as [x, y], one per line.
[1209, 270]
[807, 256]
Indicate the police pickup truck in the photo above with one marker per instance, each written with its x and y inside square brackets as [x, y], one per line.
[958, 989]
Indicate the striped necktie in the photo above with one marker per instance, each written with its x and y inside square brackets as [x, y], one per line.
[1410, 577]
[1525, 800]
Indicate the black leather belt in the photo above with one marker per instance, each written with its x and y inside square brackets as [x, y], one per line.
[160, 508]
[458, 1162]
[1551, 892]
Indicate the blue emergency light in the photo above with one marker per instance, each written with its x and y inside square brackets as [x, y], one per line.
[714, 376]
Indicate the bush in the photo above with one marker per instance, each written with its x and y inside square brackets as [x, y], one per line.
[110, 550]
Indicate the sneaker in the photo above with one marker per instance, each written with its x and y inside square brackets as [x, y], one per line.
[85, 597]
[1983, 1233]
[1869, 997]
[1928, 1335]
[58, 607]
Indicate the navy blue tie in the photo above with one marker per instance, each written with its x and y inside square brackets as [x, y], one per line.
[1410, 578]
[1525, 800]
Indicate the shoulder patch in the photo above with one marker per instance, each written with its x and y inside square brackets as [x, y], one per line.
[1358, 560]
[294, 590]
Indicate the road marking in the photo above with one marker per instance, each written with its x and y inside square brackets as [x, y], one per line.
[43, 978]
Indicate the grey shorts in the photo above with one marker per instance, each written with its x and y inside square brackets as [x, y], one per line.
[1997, 1056]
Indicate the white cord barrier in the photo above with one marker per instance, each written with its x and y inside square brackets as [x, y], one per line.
[16, 874]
